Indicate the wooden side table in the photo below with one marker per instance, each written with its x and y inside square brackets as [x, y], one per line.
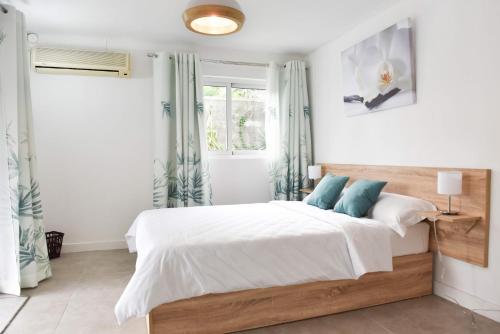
[455, 219]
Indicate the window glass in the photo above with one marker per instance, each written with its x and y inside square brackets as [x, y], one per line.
[248, 119]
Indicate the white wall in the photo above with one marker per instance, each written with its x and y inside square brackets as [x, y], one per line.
[239, 180]
[454, 123]
[94, 145]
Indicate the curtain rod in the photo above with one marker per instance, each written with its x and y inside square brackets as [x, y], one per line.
[231, 62]
[219, 61]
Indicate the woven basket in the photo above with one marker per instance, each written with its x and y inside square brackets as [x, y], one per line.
[54, 243]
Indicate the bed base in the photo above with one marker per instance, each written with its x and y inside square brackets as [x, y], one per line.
[236, 311]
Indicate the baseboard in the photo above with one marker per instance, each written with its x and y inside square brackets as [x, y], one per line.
[468, 301]
[93, 246]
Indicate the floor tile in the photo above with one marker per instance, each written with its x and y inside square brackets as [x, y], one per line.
[343, 323]
[87, 317]
[430, 314]
[9, 306]
[37, 318]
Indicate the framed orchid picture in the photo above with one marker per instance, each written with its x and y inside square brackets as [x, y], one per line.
[378, 72]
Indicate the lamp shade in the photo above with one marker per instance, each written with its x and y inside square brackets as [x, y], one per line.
[314, 172]
[449, 183]
[213, 17]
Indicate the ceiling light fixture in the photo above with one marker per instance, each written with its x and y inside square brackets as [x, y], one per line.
[221, 18]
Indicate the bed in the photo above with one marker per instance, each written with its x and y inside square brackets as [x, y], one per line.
[225, 269]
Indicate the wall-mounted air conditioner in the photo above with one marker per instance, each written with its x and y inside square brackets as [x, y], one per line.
[80, 62]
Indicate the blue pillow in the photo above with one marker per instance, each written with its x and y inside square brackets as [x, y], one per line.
[359, 198]
[327, 191]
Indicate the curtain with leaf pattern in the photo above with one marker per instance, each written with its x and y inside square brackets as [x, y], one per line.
[288, 130]
[181, 175]
[23, 234]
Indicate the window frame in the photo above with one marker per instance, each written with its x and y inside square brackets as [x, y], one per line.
[228, 83]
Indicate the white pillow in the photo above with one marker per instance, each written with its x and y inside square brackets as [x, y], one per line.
[398, 211]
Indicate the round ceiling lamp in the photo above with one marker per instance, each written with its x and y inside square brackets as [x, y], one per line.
[214, 18]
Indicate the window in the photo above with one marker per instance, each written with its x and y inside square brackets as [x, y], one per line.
[235, 118]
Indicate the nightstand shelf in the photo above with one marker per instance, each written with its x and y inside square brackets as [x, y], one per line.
[455, 219]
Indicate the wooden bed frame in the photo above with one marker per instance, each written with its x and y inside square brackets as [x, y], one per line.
[236, 311]
[411, 277]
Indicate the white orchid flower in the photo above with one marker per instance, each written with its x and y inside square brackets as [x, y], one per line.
[375, 71]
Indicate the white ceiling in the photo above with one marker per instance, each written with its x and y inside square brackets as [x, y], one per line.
[273, 26]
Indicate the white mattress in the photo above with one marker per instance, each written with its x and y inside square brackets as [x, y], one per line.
[416, 241]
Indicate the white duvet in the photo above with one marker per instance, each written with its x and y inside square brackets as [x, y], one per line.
[188, 252]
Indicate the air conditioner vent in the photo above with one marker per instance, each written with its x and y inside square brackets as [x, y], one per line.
[67, 61]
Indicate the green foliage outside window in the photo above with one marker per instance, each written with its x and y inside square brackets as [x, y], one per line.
[247, 118]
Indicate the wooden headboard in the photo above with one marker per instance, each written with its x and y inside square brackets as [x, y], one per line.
[421, 182]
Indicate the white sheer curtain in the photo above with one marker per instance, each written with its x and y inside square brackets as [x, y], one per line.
[288, 129]
[9, 273]
[272, 112]
[23, 250]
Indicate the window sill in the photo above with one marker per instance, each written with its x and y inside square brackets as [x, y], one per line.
[247, 156]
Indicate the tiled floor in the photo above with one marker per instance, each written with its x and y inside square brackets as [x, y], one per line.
[9, 306]
[80, 298]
